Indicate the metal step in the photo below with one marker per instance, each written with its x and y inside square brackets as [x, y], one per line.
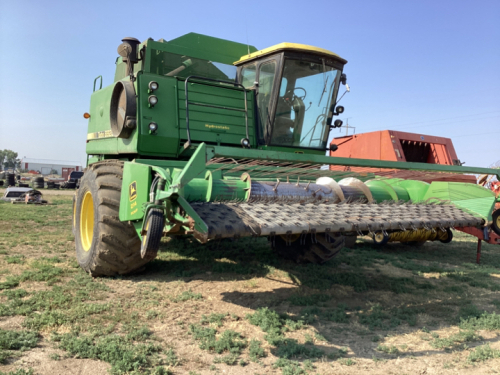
[237, 219]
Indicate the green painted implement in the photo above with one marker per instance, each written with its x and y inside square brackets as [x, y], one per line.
[206, 137]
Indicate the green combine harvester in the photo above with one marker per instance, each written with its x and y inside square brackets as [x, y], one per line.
[214, 139]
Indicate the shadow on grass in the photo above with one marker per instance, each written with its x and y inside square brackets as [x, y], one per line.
[398, 272]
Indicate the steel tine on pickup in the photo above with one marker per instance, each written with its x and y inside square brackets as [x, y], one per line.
[327, 235]
[313, 236]
[275, 188]
[272, 238]
[303, 237]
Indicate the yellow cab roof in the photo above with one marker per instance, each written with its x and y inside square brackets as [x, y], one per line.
[288, 47]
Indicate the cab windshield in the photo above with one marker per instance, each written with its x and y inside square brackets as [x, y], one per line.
[307, 92]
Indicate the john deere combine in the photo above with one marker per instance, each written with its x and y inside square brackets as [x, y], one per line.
[210, 138]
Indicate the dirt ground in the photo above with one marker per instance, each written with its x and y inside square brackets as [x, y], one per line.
[367, 311]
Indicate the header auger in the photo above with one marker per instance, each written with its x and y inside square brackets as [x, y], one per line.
[210, 138]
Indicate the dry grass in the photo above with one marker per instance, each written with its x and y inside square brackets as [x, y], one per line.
[395, 310]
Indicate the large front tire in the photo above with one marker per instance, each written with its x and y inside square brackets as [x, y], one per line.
[105, 246]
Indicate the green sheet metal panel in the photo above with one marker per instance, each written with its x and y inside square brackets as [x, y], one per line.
[381, 191]
[165, 140]
[100, 139]
[204, 47]
[415, 189]
[135, 190]
[216, 125]
[475, 199]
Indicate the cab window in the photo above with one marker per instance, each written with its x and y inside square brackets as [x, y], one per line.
[267, 71]
[248, 76]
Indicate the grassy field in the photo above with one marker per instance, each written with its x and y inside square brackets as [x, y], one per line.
[237, 308]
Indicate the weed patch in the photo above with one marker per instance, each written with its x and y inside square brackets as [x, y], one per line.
[186, 296]
[16, 340]
[60, 305]
[486, 321]
[19, 371]
[15, 259]
[337, 315]
[275, 327]
[391, 349]
[255, 351]
[483, 353]
[455, 340]
[9, 283]
[214, 318]
[289, 367]
[468, 311]
[123, 355]
[15, 294]
[310, 300]
[229, 341]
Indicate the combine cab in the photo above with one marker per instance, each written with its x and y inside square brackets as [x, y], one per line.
[210, 138]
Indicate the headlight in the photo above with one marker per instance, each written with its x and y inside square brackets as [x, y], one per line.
[339, 109]
[153, 86]
[153, 126]
[245, 142]
[337, 123]
[152, 100]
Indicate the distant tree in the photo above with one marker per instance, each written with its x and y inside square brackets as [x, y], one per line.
[8, 159]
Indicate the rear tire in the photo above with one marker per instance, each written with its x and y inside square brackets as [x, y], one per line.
[315, 249]
[105, 246]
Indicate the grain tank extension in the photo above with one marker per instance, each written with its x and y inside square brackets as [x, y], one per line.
[215, 139]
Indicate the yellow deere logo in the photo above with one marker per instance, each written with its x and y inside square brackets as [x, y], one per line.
[132, 191]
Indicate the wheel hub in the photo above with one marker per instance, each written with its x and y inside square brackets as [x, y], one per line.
[87, 221]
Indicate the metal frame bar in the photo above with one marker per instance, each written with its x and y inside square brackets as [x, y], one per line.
[237, 153]
[188, 143]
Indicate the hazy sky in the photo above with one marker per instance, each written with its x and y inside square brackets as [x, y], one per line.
[430, 67]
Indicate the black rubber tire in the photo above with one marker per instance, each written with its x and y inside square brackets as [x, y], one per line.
[308, 252]
[449, 236]
[1, 182]
[151, 240]
[380, 239]
[38, 179]
[11, 179]
[496, 222]
[110, 247]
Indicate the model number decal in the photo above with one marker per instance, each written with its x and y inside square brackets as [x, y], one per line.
[103, 134]
[217, 127]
